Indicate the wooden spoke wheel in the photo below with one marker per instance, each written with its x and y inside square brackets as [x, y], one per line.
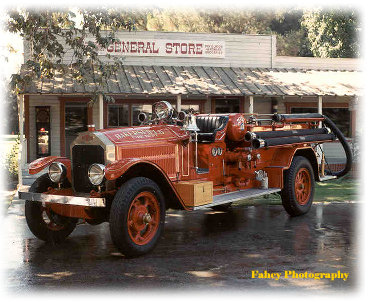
[137, 216]
[302, 186]
[143, 218]
[298, 190]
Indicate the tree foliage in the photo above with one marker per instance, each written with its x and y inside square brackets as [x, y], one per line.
[52, 33]
[332, 33]
[285, 24]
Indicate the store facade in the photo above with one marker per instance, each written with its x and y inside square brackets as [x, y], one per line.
[209, 73]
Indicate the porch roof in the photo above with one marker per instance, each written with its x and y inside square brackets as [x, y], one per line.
[201, 80]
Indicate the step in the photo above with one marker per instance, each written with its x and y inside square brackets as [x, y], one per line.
[327, 177]
[237, 196]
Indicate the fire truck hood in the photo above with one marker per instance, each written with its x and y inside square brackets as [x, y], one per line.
[129, 135]
[145, 134]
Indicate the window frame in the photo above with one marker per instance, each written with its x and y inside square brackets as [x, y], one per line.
[118, 106]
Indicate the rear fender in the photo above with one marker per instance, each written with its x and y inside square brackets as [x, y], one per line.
[125, 169]
[282, 160]
[43, 162]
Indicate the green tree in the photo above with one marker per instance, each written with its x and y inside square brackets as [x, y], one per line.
[332, 33]
[52, 33]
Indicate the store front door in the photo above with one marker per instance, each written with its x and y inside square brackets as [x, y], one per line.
[75, 122]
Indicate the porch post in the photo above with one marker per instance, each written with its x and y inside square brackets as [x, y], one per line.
[320, 111]
[320, 104]
[101, 112]
[353, 109]
[22, 147]
[179, 102]
[249, 106]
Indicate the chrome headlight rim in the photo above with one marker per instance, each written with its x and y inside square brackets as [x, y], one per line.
[214, 151]
[96, 174]
[57, 172]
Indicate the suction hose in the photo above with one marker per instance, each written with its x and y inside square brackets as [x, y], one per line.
[327, 122]
[344, 144]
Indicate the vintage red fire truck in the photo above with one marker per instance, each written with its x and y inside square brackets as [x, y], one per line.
[130, 176]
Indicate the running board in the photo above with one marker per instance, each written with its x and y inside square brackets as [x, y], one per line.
[327, 177]
[236, 196]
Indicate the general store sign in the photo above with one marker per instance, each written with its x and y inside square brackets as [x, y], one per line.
[166, 48]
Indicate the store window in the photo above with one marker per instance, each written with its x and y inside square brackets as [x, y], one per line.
[123, 115]
[43, 131]
[340, 116]
[195, 108]
[118, 115]
[227, 105]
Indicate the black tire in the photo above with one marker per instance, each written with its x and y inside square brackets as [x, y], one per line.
[34, 211]
[123, 211]
[223, 207]
[297, 201]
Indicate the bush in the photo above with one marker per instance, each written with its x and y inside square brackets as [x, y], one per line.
[11, 162]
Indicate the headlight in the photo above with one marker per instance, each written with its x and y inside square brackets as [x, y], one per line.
[96, 174]
[57, 172]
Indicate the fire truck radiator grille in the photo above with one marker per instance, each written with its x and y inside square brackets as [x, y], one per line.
[82, 157]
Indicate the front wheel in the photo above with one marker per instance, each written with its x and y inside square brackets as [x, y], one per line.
[42, 221]
[298, 191]
[137, 216]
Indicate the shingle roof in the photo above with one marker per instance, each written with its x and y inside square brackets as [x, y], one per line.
[199, 80]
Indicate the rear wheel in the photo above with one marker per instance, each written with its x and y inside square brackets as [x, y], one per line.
[42, 221]
[298, 191]
[137, 216]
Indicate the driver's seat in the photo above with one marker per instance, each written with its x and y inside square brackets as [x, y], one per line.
[209, 126]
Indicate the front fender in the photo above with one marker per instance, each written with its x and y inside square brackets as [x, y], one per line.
[43, 162]
[117, 168]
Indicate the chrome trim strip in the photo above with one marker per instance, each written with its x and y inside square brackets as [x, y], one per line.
[110, 155]
[61, 199]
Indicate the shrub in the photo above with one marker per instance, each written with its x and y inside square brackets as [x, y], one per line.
[11, 162]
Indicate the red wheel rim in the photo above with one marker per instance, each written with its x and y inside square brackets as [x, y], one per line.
[143, 218]
[47, 218]
[303, 186]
